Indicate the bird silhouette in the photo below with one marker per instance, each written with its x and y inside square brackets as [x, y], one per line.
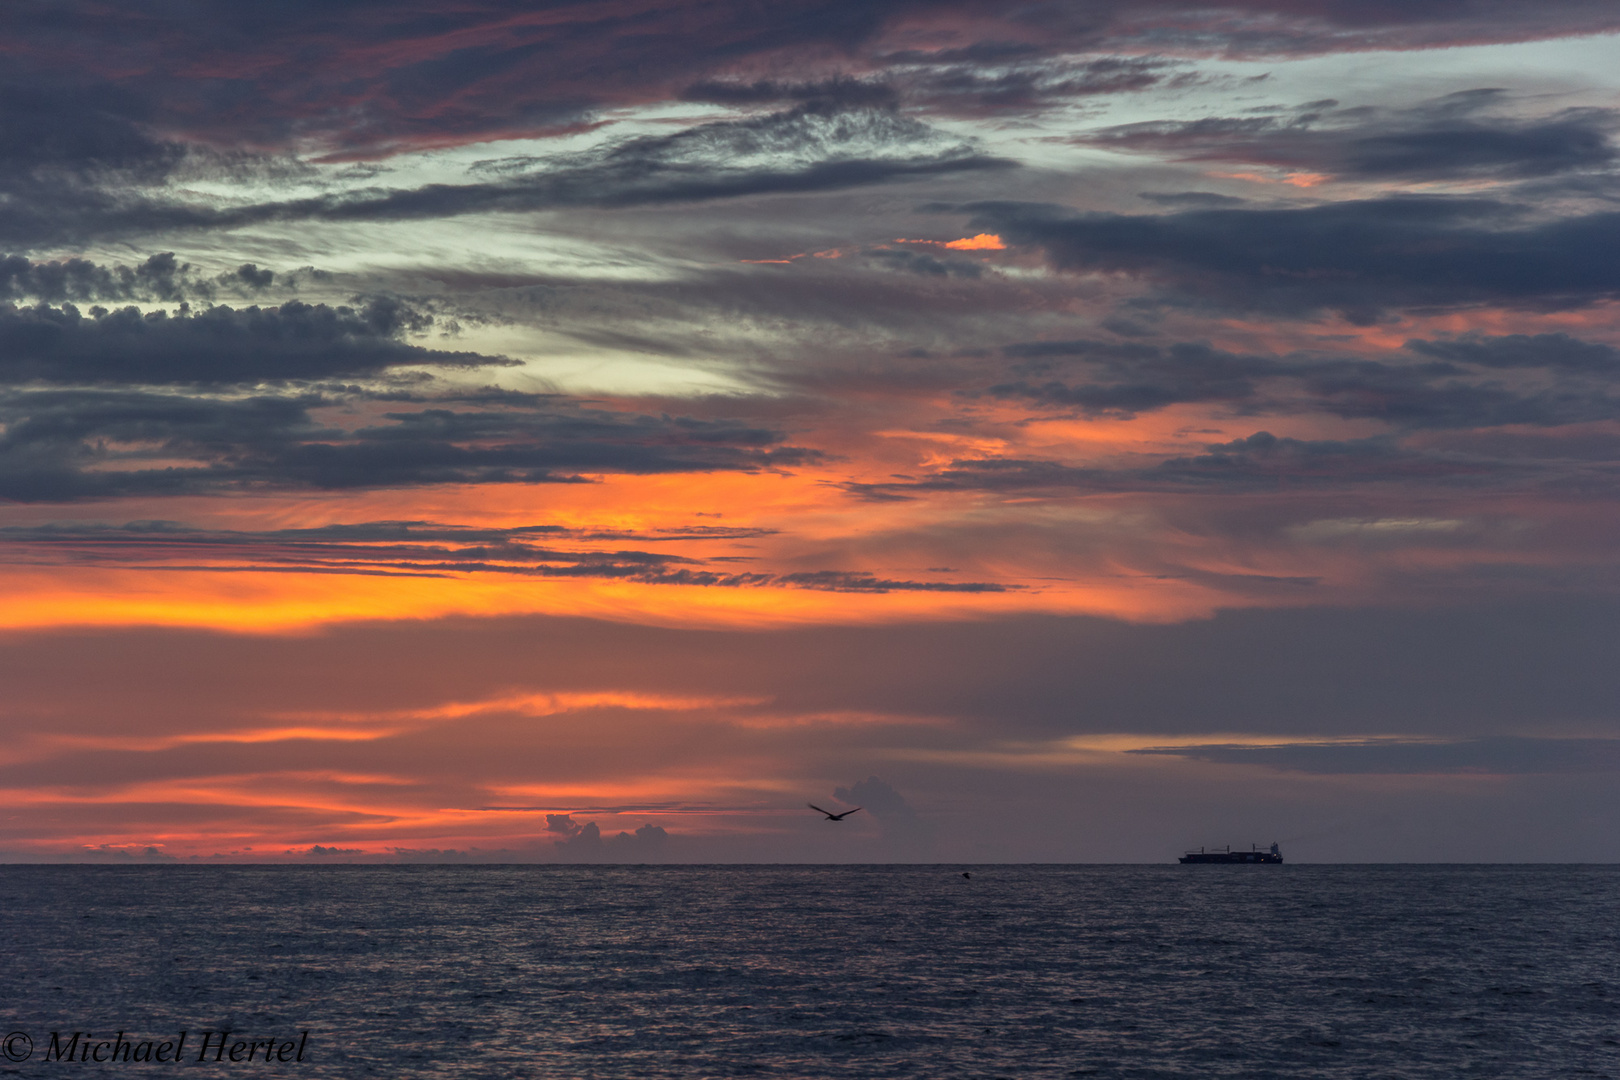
[830, 815]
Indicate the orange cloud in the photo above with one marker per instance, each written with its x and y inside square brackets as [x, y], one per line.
[1296, 179]
[981, 242]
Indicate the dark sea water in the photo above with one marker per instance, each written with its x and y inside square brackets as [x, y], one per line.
[1022, 971]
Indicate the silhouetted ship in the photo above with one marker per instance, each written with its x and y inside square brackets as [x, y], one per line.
[1253, 855]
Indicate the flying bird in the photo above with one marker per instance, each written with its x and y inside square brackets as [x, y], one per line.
[830, 815]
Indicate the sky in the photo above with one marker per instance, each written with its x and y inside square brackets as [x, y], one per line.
[483, 430]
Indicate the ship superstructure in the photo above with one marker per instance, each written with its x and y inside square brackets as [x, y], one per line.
[1227, 855]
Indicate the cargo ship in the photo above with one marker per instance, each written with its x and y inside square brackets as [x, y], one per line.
[1227, 855]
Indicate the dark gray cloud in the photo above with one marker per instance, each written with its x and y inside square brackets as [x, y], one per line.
[906, 832]
[77, 127]
[1261, 461]
[845, 581]
[1497, 755]
[269, 78]
[1359, 257]
[97, 129]
[486, 72]
[62, 445]
[217, 345]
[54, 441]
[399, 548]
[562, 823]
[821, 95]
[101, 853]
[1191, 198]
[1456, 136]
[1557, 351]
[808, 149]
[587, 844]
[1133, 377]
[1413, 396]
[161, 277]
[977, 85]
[81, 153]
[921, 262]
[876, 797]
[1432, 384]
[1265, 462]
[372, 532]
[973, 81]
[1268, 28]
[430, 549]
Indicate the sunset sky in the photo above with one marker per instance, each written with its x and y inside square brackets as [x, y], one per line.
[557, 431]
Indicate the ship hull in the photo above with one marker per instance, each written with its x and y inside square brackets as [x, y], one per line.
[1227, 857]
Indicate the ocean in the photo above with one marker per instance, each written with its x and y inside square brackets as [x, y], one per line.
[1293, 971]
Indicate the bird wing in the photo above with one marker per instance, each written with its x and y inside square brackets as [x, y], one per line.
[818, 809]
[846, 813]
